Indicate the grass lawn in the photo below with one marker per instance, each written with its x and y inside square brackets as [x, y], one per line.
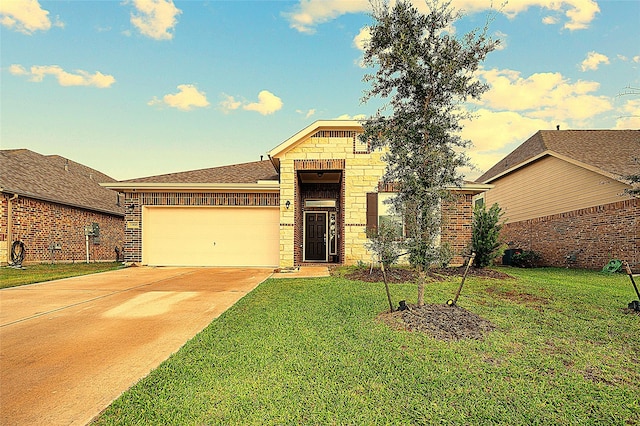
[11, 277]
[310, 351]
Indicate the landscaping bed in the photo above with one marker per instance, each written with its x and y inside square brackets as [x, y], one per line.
[408, 275]
[438, 320]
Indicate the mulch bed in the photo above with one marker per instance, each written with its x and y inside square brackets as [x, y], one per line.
[407, 275]
[440, 321]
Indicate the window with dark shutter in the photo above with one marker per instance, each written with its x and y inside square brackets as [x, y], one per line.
[372, 212]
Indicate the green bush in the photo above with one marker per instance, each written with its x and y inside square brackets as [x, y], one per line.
[526, 259]
[384, 241]
[485, 240]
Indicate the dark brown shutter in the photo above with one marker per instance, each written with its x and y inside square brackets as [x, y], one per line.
[372, 212]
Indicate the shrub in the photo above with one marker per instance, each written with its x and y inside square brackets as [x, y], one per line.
[445, 254]
[526, 259]
[485, 239]
[384, 242]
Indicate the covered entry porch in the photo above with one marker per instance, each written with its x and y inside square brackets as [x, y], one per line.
[319, 212]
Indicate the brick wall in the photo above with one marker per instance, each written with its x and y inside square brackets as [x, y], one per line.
[457, 224]
[587, 238]
[39, 224]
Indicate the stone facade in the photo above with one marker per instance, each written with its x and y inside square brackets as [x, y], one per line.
[587, 238]
[361, 171]
[43, 226]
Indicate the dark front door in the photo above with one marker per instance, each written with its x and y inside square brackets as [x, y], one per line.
[315, 237]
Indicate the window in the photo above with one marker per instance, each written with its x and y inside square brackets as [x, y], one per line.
[380, 211]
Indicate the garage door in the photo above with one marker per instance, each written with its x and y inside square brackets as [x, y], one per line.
[210, 236]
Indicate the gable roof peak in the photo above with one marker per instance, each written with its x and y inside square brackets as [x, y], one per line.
[612, 152]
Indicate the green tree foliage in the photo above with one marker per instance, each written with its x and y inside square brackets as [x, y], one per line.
[424, 74]
[384, 241]
[485, 239]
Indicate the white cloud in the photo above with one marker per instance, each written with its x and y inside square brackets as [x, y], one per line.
[308, 14]
[361, 40]
[307, 114]
[155, 18]
[187, 98]
[351, 117]
[593, 61]
[25, 16]
[542, 95]
[631, 115]
[267, 103]
[229, 103]
[636, 59]
[37, 73]
[493, 130]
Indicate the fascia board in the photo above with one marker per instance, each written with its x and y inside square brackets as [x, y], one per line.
[263, 186]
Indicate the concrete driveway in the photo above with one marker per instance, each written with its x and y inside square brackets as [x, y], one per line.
[69, 347]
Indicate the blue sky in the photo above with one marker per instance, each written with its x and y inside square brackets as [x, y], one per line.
[144, 87]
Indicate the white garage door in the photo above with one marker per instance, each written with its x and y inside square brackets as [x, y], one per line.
[210, 236]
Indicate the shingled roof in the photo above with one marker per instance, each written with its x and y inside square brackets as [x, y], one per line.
[613, 152]
[235, 173]
[56, 179]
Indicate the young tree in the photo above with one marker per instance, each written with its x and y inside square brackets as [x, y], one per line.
[425, 74]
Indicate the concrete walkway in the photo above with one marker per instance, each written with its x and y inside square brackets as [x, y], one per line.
[68, 348]
[311, 271]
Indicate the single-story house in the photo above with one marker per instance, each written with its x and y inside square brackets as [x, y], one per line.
[564, 194]
[308, 201]
[57, 209]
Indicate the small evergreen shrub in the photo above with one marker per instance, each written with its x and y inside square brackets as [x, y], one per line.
[485, 240]
[526, 259]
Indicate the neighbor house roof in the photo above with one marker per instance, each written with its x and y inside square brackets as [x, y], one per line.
[613, 153]
[254, 175]
[56, 179]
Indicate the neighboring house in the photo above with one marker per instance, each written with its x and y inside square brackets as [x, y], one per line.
[49, 202]
[564, 196]
[308, 202]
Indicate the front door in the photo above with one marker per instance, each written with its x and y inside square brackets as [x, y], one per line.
[315, 236]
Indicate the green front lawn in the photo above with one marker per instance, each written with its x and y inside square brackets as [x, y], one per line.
[310, 351]
[11, 277]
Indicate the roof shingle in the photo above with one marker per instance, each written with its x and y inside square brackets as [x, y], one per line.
[612, 151]
[235, 173]
[56, 179]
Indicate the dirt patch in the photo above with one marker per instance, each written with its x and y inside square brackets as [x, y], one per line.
[405, 275]
[440, 321]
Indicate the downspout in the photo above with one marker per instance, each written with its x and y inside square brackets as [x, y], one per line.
[10, 225]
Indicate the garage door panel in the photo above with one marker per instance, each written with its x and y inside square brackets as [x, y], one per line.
[210, 236]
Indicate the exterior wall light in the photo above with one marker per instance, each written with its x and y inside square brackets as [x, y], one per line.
[288, 204]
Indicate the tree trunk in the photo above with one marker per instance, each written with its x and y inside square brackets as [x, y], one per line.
[421, 280]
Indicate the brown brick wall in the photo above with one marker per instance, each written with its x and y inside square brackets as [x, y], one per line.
[39, 224]
[457, 223]
[586, 238]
